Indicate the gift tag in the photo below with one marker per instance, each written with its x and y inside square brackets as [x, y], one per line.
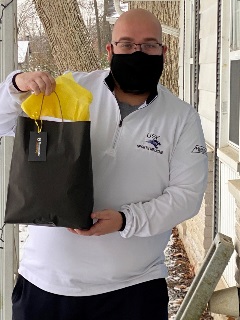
[37, 146]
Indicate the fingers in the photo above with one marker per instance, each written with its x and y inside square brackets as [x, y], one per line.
[42, 84]
[72, 230]
[89, 232]
[37, 82]
[109, 221]
[105, 214]
[93, 231]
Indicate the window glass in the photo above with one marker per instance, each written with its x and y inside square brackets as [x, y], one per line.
[235, 29]
[234, 102]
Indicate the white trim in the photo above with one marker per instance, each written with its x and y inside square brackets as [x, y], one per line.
[229, 156]
[185, 46]
[226, 65]
[187, 53]
[181, 52]
[225, 75]
[8, 63]
[233, 145]
[7, 255]
[234, 55]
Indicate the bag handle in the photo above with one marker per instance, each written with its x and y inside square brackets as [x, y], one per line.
[39, 127]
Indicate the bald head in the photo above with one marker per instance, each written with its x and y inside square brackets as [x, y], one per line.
[135, 24]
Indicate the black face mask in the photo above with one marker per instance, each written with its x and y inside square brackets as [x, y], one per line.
[137, 72]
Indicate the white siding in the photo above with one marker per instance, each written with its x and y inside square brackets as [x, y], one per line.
[207, 99]
[207, 73]
[208, 56]
[181, 41]
[207, 78]
[208, 22]
[205, 4]
[209, 130]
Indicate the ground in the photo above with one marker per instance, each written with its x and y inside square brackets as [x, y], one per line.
[181, 275]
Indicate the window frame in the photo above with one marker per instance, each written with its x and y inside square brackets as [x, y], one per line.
[234, 55]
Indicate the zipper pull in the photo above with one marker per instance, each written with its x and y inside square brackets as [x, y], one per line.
[120, 123]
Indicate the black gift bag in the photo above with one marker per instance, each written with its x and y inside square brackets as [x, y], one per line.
[51, 179]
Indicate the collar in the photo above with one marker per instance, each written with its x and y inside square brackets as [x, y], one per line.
[110, 83]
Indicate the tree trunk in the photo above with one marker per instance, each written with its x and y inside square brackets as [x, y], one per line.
[98, 28]
[68, 35]
[106, 27]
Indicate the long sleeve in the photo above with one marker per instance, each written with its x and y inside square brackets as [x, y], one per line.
[182, 198]
[10, 101]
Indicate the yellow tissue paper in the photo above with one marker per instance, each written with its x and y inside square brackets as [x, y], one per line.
[70, 101]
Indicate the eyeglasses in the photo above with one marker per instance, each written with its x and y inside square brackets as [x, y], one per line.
[129, 47]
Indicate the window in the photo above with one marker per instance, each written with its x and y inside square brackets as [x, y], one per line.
[235, 28]
[234, 73]
[234, 102]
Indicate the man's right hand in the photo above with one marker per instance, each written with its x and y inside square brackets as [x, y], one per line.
[37, 82]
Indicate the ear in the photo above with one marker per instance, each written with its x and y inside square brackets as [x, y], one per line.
[165, 49]
[109, 51]
[164, 52]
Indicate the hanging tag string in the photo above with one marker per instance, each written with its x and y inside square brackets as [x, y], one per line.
[39, 127]
[37, 118]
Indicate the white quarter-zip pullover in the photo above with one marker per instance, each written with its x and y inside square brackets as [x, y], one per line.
[152, 166]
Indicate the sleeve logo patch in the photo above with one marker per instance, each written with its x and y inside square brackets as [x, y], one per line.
[199, 149]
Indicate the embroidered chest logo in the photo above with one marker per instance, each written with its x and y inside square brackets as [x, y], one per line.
[151, 143]
[200, 149]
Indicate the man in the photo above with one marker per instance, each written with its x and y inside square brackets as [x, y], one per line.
[147, 179]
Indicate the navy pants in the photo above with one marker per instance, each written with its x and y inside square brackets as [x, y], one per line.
[144, 301]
